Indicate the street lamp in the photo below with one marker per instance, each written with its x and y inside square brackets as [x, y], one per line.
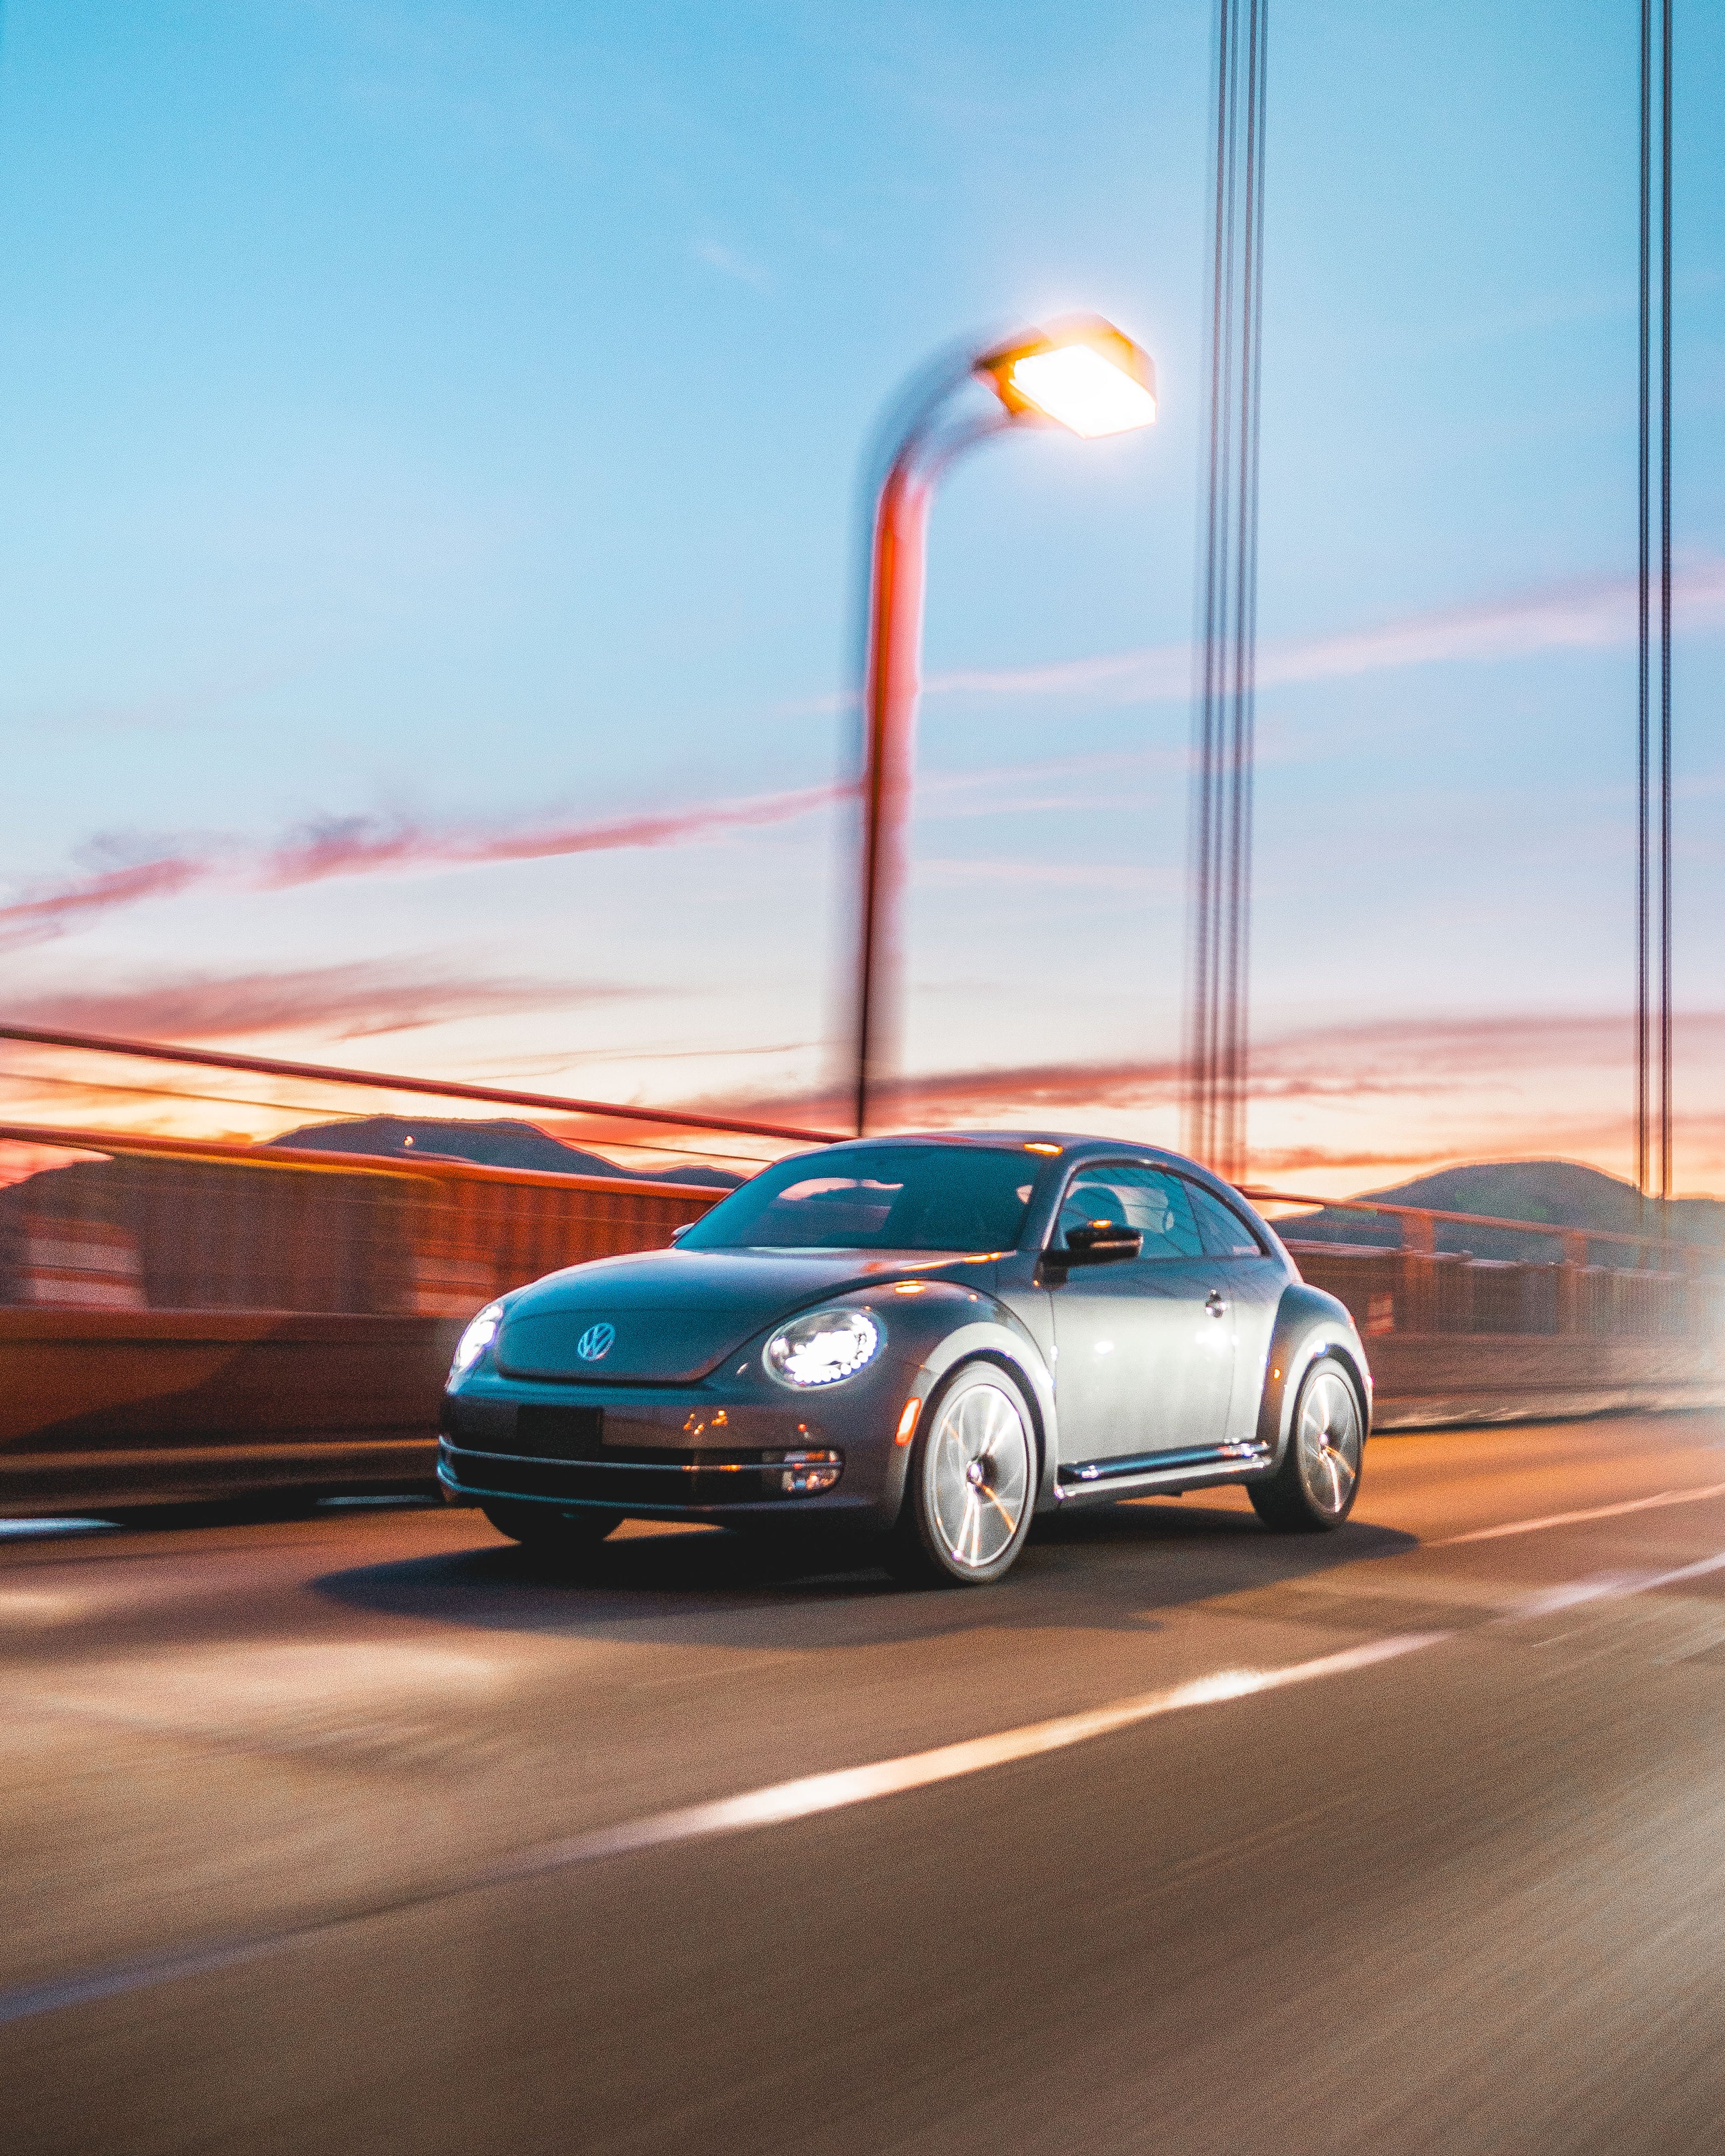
[1082, 374]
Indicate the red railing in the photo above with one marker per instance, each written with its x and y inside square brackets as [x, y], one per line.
[187, 1316]
[444, 1089]
[1414, 1287]
[143, 1222]
[1422, 1218]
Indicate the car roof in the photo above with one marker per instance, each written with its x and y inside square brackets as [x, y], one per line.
[1073, 1145]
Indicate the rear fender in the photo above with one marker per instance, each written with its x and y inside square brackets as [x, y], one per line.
[1309, 1326]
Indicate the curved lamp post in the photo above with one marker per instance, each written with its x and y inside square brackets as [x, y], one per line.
[1082, 374]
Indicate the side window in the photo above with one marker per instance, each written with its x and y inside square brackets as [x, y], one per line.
[1157, 1205]
[1225, 1234]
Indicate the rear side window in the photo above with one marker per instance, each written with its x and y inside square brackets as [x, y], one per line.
[1225, 1234]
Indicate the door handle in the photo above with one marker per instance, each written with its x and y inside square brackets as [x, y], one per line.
[1215, 1302]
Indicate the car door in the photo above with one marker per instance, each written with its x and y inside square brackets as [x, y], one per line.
[1144, 1346]
[1252, 1282]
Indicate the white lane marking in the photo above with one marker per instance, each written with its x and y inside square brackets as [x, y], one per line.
[1690, 1571]
[1567, 1519]
[918, 1770]
[30, 2000]
[815, 1793]
[1606, 1586]
[779, 1802]
[1547, 1601]
[23, 1529]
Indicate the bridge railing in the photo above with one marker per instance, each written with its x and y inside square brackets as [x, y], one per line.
[83, 1081]
[183, 1314]
[185, 1317]
[1665, 1289]
[141, 1223]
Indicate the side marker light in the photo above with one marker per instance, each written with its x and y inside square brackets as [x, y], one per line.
[908, 1422]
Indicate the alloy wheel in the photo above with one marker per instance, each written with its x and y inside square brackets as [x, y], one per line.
[978, 1472]
[1328, 1441]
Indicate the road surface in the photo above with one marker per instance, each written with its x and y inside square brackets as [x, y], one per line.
[365, 1832]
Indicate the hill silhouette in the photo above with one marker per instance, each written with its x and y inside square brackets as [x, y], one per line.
[501, 1143]
[1563, 1192]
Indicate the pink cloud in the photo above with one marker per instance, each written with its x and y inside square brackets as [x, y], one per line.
[1596, 614]
[370, 845]
[366, 845]
[347, 1002]
[1591, 614]
[53, 910]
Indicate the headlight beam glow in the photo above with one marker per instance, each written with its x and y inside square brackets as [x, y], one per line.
[481, 1332]
[823, 1347]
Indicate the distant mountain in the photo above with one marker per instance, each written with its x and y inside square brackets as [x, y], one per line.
[501, 1143]
[1561, 1191]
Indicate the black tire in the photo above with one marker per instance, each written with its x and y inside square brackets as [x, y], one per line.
[971, 1486]
[1313, 1491]
[549, 1533]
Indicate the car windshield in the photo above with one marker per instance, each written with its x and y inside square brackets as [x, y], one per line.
[876, 1198]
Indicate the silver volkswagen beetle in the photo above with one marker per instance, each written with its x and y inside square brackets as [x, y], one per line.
[933, 1338]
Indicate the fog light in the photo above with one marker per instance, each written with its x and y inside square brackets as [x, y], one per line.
[801, 1473]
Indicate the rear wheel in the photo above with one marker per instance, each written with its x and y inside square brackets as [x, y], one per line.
[1314, 1488]
[972, 1484]
[552, 1533]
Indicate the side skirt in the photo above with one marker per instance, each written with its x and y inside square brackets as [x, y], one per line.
[1137, 1474]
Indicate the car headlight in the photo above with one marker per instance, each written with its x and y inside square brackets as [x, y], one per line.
[823, 1347]
[480, 1332]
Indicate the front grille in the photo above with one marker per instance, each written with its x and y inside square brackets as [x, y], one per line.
[507, 1448]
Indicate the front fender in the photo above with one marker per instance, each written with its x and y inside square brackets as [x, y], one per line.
[1309, 1324]
[999, 1337]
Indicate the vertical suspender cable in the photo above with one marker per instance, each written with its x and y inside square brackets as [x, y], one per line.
[1664, 613]
[1222, 852]
[1219, 941]
[1643, 804]
[1204, 844]
[1653, 846]
[1243, 727]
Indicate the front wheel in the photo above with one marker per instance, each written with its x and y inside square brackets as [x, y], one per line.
[551, 1533]
[1314, 1488]
[972, 1484]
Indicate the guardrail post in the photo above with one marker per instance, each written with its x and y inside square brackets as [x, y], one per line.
[1571, 1270]
[1415, 1300]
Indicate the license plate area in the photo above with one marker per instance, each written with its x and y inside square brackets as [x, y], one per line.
[560, 1433]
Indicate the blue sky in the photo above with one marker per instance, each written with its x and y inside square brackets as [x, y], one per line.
[436, 430]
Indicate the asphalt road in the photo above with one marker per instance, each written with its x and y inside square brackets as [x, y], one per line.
[365, 1833]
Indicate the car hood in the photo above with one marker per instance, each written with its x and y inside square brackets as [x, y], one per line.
[674, 1315]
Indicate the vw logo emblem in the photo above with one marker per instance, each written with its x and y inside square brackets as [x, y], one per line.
[596, 1342]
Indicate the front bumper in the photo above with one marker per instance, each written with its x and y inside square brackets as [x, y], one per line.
[682, 1455]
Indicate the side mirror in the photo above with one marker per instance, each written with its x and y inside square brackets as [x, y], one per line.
[1101, 1243]
[678, 1233]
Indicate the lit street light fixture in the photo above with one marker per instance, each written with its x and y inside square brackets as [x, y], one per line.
[1082, 374]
